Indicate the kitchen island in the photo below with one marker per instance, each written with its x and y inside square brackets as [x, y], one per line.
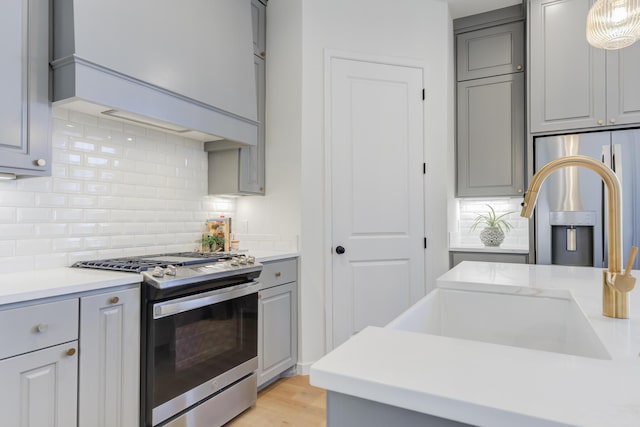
[428, 379]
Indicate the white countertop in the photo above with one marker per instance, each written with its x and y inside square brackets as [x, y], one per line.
[267, 255]
[504, 249]
[495, 385]
[32, 285]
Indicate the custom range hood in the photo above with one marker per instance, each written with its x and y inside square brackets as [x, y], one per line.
[182, 66]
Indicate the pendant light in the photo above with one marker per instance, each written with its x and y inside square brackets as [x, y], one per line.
[613, 24]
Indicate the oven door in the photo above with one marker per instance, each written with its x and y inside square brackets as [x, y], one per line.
[198, 345]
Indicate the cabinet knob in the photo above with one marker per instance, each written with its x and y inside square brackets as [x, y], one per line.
[262, 189]
[114, 300]
[42, 327]
[71, 351]
[600, 122]
[259, 296]
[263, 54]
[519, 67]
[519, 190]
[41, 162]
[278, 274]
[612, 121]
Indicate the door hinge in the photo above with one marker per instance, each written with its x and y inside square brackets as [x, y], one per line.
[424, 168]
[424, 94]
[425, 243]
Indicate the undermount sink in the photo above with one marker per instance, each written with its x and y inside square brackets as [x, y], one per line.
[547, 320]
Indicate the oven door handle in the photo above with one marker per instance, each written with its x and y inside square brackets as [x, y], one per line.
[191, 302]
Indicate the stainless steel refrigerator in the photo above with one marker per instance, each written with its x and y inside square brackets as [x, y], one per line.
[570, 221]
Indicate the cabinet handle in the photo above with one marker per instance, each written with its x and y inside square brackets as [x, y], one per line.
[600, 122]
[612, 121]
[41, 162]
[259, 296]
[114, 300]
[278, 274]
[71, 351]
[42, 327]
[519, 67]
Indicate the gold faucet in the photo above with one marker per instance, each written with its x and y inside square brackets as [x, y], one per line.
[615, 284]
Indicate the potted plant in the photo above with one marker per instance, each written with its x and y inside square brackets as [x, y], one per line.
[494, 227]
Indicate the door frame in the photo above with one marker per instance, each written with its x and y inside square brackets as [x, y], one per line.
[329, 55]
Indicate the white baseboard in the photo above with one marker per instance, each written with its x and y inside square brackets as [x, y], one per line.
[303, 368]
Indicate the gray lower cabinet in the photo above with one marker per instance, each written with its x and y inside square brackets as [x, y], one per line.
[25, 135]
[39, 364]
[573, 85]
[71, 362]
[109, 359]
[277, 320]
[490, 136]
[456, 257]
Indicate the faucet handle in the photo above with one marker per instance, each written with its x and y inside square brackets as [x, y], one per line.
[625, 282]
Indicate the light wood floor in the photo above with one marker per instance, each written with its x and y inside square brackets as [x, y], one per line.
[287, 402]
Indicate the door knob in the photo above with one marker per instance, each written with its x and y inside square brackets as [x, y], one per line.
[340, 250]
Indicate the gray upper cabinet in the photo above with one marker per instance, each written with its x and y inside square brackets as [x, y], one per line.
[490, 52]
[623, 85]
[490, 103]
[490, 136]
[25, 147]
[573, 85]
[234, 170]
[258, 23]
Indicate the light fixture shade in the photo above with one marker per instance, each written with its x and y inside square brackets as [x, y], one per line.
[613, 24]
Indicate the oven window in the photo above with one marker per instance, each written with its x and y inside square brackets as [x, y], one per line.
[195, 346]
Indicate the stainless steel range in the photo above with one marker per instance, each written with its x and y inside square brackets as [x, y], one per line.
[200, 334]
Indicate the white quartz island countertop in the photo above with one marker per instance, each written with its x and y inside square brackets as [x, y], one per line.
[487, 384]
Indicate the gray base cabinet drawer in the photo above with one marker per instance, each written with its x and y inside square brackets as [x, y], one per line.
[39, 326]
[278, 273]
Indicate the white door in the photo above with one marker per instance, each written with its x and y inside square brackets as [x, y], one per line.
[375, 133]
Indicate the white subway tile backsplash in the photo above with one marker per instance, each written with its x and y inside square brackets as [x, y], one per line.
[116, 189]
[17, 199]
[34, 215]
[34, 184]
[82, 201]
[468, 209]
[7, 248]
[50, 200]
[8, 215]
[49, 230]
[67, 186]
[33, 246]
[97, 161]
[67, 215]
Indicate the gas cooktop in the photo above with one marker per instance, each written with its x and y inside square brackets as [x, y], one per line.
[183, 268]
[138, 264]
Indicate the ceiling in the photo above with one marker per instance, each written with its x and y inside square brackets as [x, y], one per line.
[460, 8]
